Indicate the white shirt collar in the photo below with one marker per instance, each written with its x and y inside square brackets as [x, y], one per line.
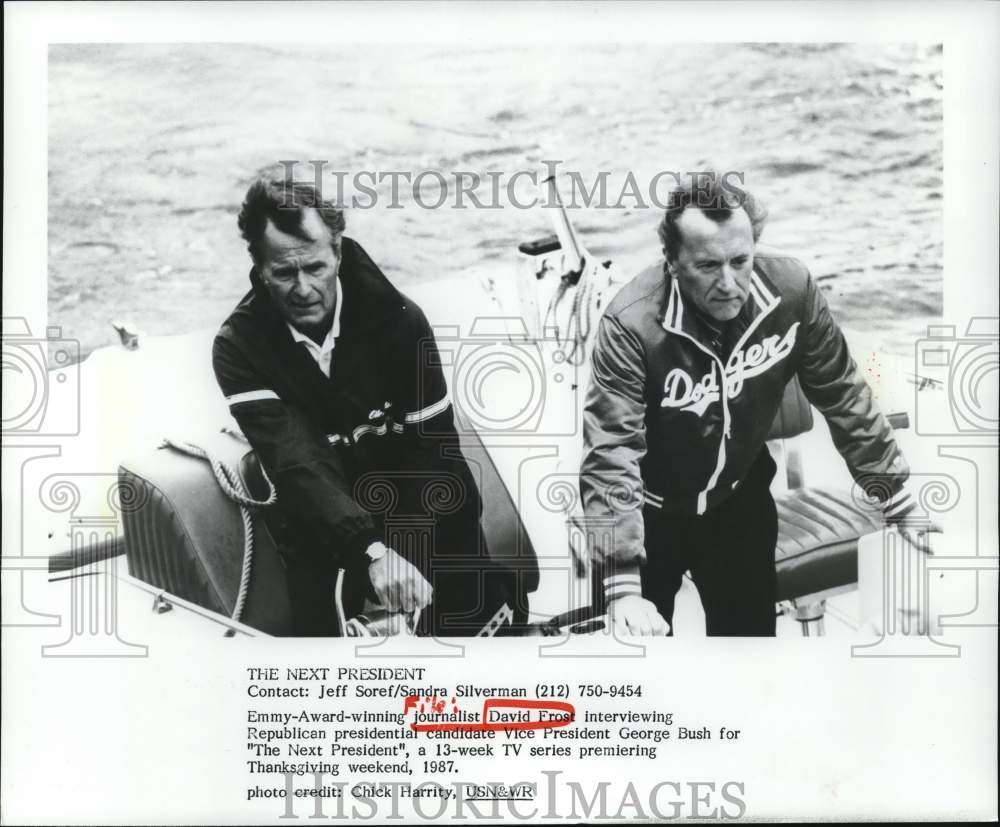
[321, 353]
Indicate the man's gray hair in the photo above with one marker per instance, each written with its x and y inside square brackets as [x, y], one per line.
[282, 201]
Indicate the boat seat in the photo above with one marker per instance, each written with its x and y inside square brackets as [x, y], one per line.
[818, 529]
[818, 533]
[185, 536]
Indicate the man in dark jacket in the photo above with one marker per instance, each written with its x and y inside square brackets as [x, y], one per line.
[333, 376]
[689, 366]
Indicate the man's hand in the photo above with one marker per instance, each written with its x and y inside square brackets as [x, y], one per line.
[918, 537]
[398, 584]
[634, 615]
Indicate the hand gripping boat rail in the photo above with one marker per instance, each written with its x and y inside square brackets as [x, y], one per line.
[378, 623]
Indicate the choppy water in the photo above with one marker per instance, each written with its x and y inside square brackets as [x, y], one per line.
[151, 148]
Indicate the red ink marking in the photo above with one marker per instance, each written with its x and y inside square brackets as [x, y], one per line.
[569, 711]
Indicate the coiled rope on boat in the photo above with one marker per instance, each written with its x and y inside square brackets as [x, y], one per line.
[232, 486]
[581, 317]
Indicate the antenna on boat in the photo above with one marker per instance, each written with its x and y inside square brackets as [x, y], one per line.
[576, 255]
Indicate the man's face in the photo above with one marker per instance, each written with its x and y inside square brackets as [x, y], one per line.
[714, 262]
[300, 274]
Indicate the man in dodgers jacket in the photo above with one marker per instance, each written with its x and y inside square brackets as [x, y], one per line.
[689, 366]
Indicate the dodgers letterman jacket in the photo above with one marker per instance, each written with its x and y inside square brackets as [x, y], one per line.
[669, 417]
[376, 440]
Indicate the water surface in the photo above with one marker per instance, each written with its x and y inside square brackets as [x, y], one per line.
[151, 148]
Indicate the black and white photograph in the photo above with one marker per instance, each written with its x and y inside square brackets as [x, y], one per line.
[660, 337]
